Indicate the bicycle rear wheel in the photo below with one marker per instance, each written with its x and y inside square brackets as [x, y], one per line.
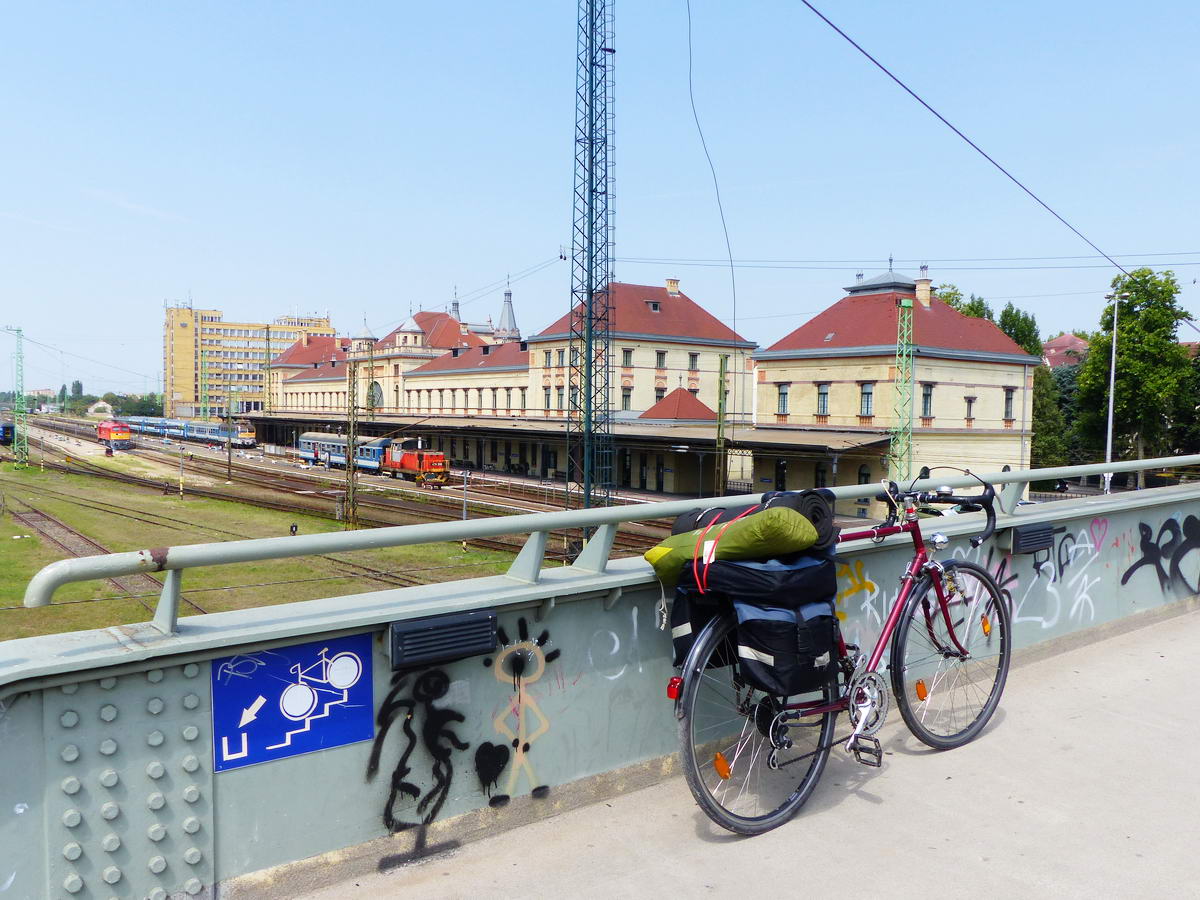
[725, 735]
[944, 697]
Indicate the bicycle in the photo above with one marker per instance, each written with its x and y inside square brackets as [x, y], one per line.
[340, 672]
[951, 644]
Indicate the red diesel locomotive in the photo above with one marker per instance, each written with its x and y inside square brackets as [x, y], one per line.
[114, 434]
[421, 466]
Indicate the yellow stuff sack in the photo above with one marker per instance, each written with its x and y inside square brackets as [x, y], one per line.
[773, 532]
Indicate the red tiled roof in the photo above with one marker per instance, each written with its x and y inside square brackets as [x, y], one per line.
[869, 320]
[1064, 350]
[509, 355]
[679, 404]
[442, 332]
[319, 349]
[324, 372]
[678, 316]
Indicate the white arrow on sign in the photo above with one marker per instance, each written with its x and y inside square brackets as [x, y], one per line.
[250, 713]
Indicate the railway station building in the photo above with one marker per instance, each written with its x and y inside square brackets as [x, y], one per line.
[813, 409]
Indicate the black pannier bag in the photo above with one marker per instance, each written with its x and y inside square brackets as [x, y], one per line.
[784, 583]
[785, 651]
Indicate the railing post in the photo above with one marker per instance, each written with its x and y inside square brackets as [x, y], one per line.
[595, 553]
[166, 614]
[527, 566]
[1010, 494]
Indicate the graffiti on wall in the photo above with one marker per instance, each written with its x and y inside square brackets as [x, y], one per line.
[437, 736]
[521, 720]
[1164, 554]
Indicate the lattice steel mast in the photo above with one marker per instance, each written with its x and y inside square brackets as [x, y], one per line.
[20, 418]
[900, 453]
[589, 441]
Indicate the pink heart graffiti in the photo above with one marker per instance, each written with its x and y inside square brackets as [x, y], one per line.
[1099, 529]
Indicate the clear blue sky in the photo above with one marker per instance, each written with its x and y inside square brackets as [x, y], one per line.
[368, 157]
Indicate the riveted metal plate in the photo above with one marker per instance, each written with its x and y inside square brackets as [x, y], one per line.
[129, 785]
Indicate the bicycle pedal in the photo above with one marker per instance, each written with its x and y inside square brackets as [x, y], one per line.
[868, 751]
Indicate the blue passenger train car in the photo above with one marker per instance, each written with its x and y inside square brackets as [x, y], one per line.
[330, 449]
[241, 431]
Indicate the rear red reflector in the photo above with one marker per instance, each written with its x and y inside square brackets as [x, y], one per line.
[674, 686]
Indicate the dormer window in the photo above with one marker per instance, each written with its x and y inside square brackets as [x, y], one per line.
[829, 337]
[654, 305]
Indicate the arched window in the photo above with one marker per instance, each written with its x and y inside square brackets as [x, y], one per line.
[375, 395]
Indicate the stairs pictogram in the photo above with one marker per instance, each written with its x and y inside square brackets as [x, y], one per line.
[287, 740]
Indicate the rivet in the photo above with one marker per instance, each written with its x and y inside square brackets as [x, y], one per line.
[108, 683]
[108, 747]
[111, 842]
[112, 874]
[191, 670]
[109, 778]
[156, 800]
[191, 793]
[190, 763]
[108, 712]
[73, 883]
[110, 811]
[69, 688]
[70, 785]
[193, 886]
[156, 832]
[190, 733]
[154, 676]
[72, 851]
[154, 706]
[69, 719]
[70, 753]
[191, 701]
[191, 824]
[154, 738]
[156, 769]
[192, 855]
[71, 818]
[157, 864]
[157, 894]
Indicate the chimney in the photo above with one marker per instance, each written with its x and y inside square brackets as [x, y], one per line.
[923, 289]
[673, 287]
[304, 338]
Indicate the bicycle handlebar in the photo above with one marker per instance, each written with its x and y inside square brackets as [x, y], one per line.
[893, 497]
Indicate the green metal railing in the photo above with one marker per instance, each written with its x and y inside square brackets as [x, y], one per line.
[527, 567]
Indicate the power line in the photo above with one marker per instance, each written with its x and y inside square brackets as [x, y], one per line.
[790, 266]
[975, 146]
[868, 261]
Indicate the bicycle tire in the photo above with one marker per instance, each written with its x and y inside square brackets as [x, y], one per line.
[709, 685]
[955, 706]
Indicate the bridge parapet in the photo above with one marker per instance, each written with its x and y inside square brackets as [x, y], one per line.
[158, 758]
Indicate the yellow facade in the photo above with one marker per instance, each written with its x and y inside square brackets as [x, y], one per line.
[211, 366]
[643, 372]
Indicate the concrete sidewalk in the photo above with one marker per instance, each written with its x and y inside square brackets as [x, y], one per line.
[1085, 784]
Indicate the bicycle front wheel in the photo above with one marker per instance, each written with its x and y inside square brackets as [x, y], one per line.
[728, 730]
[947, 676]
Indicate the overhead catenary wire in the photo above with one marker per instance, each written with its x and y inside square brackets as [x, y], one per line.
[886, 71]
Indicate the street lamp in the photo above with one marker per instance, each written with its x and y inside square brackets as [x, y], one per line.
[1112, 380]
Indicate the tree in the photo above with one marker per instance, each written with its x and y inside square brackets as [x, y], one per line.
[1049, 447]
[76, 388]
[62, 395]
[1152, 368]
[975, 307]
[1022, 328]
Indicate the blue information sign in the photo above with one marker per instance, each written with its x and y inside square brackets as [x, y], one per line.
[291, 700]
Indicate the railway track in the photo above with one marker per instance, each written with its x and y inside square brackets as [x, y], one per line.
[78, 545]
[315, 494]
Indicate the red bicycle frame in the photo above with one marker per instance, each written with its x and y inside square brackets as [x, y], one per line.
[916, 567]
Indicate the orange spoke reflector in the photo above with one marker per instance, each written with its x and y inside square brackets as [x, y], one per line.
[721, 764]
[922, 691]
[987, 625]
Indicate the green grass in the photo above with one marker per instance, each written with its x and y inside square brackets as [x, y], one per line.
[187, 521]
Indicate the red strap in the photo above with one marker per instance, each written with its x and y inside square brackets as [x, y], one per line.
[702, 581]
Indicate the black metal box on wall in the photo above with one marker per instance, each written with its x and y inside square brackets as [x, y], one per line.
[1032, 538]
[435, 639]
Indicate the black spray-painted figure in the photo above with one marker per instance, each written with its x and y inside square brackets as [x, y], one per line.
[439, 742]
[1165, 552]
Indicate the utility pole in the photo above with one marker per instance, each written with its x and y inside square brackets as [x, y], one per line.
[1112, 384]
[900, 453]
[204, 385]
[228, 441]
[719, 476]
[370, 376]
[20, 419]
[267, 378]
[351, 442]
[181, 470]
